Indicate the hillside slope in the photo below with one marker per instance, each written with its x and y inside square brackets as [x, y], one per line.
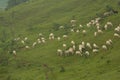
[43, 16]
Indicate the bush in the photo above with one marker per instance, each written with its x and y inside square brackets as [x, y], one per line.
[109, 8]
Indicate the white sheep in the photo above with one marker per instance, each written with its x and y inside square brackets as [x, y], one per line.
[72, 30]
[95, 34]
[72, 42]
[95, 45]
[61, 27]
[34, 44]
[87, 53]
[84, 32]
[78, 53]
[80, 26]
[60, 52]
[65, 36]
[74, 47]
[100, 31]
[58, 38]
[104, 47]
[64, 45]
[77, 31]
[23, 42]
[27, 47]
[25, 38]
[14, 53]
[88, 45]
[95, 51]
[116, 35]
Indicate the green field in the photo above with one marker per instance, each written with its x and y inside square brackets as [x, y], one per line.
[3, 4]
[44, 16]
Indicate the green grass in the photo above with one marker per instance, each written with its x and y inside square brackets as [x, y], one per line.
[40, 16]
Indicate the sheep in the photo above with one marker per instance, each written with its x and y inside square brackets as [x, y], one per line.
[80, 26]
[74, 47]
[64, 45]
[72, 30]
[116, 35]
[100, 31]
[81, 47]
[104, 47]
[65, 36]
[71, 50]
[73, 21]
[14, 53]
[72, 42]
[95, 34]
[95, 50]
[61, 27]
[34, 44]
[88, 45]
[84, 32]
[88, 25]
[77, 31]
[27, 47]
[51, 36]
[40, 34]
[23, 42]
[39, 42]
[58, 38]
[108, 43]
[106, 27]
[117, 29]
[87, 53]
[78, 53]
[95, 46]
[109, 24]
[25, 38]
[43, 41]
[59, 52]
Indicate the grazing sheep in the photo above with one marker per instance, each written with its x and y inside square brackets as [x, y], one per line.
[40, 34]
[73, 21]
[26, 39]
[80, 26]
[88, 45]
[106, 27]
[77, 31]
[23, 42]
[43, 41]
[108, 43]
[65, 36]
[51, 36]
[84, 32]
[100, 31]
[64, 45]
[72, 42]
[58, 38]
[78, 53]
[74, 47]
[61, 27]
[109, 24]
[95, 46]
[87, 53]
[14, 53]
[88, 24]
[59, 52]
[104, 47]
[34, 44]
[95, 34]
[116, 35]
[95, 51]
[27, 47]
[72, 30]
[71, 50]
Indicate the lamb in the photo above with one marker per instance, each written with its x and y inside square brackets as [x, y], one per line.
[104, 47]
[59, 52]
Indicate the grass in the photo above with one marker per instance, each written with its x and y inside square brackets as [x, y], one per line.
[40, 16]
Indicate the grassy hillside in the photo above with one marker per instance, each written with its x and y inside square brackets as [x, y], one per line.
[42, 16]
